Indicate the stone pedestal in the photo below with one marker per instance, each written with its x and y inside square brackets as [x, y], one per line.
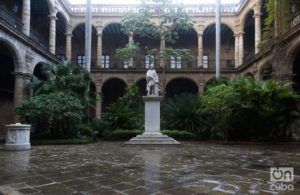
[152, 134]
[17, 137]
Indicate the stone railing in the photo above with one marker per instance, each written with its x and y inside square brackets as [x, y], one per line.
[295, 21]
[36, 38]
[10, 19]
[191, 9]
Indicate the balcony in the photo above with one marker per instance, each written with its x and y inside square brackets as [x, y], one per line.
[122, 9]
[140, 64]
[35, 37]
[10, 19]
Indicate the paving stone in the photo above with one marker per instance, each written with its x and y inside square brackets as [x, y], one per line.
[113, 168]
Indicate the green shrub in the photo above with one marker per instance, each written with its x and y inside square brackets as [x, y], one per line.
[247, 109]
[180, 135]
[215, 82]
[100, 126]
[86, 131]
[127, 112]
[184, 112]
[59, 103]
[121, 116]
[64, 112]
[121, 134]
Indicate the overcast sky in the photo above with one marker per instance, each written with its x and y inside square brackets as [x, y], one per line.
[136, 1]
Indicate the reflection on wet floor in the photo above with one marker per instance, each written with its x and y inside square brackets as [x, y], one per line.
[113, 168]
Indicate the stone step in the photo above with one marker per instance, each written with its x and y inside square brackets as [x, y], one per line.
[152, 140]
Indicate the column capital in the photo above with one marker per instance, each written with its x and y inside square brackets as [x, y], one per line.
[53, 13]
[200, 34]
[99, 29]
[53, 17]
[99, 34]
[69, 34]
[256, 7]
[239, 34]
[257, 15]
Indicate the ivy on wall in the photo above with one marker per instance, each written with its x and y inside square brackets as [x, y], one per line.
[277, 21]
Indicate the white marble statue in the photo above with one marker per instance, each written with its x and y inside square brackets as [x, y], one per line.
[152, 82]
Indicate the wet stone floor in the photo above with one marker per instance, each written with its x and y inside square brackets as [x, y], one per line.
[113, 168]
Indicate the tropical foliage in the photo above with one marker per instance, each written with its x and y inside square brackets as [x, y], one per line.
[127, 112]
[59, 105]
[186, 113]
[247, 109]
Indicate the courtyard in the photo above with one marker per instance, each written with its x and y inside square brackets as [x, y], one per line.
[79, 79]
[114, 168]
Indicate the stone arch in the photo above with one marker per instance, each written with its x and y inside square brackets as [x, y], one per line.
[38, 71]
[61, 29]
[113, 38]
[249, 35]
[141, 83]
[291, 54]
[7, 84]
[111, 90]
[74, 26]
[181, 85]
[105, 25]
[78, 45]
[64, 15]
[227, 47]
[18, 62]
[244, 17]
[187, 39]
[230, 26]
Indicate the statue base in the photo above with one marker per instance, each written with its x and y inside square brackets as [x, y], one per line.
[152, 134]
[17, 137]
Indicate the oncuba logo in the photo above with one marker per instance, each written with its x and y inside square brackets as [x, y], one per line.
[282, 176]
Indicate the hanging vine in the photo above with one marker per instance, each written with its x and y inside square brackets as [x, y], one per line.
[277, 21]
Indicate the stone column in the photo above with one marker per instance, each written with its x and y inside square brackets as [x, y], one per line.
[18, 91]
[257, 16]
[131, 41]
[162, 48]
[98, 103]
[99, 49]
[200, 50]
[69, 46]
[26, 17]
[241, 48]
[52, 32]
[236, 50]
[19, 87]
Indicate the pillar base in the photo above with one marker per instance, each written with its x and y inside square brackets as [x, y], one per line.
[17, 137]
[17, 147]
[152, 139]
[152, 134]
